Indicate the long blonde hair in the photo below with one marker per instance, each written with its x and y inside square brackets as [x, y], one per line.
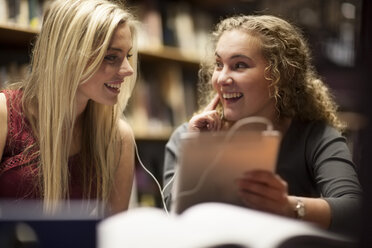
[69, 49]
[299, 91]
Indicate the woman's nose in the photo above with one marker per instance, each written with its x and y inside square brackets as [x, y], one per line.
[224, 78]
[125, 69]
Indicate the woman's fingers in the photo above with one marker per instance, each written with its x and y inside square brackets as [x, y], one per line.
[264, 190]
[266, 177]
[261, 203]
[213, 104]
[206, 121]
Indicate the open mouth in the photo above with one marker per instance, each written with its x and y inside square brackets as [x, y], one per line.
[232, 97]
[113, 87]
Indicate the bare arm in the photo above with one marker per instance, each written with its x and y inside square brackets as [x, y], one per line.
[3, 123]
[317, 210]
[120, 195]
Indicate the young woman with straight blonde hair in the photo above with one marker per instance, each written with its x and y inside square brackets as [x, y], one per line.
[62, 132]
[260, 65]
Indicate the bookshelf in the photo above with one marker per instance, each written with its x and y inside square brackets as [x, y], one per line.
[16, 35]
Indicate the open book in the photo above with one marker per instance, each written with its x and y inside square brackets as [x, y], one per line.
[210, 225]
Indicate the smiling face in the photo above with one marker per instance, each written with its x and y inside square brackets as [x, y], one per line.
[239, 79]
[104, 86]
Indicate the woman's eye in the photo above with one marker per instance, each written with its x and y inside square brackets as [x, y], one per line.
[129, 56]
[110, 58]
[218, 65]
[241, 65]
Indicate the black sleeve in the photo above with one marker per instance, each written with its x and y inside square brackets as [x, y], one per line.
[171, 156]
[336, 177]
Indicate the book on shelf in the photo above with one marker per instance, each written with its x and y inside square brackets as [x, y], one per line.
[3, 11]
[203, 26]
[190, 90]
[147, 111]
[190, 27]
[23, 17]
[212, 225]
[150, 31]
[184, 26]
[13, 12]
[35, 13]
[24, 13]
[173, 92]
[175, 24]
[163, 98]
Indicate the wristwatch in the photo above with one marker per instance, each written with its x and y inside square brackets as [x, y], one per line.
[300, 210]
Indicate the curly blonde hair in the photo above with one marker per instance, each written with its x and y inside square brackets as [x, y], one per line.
[299, 91]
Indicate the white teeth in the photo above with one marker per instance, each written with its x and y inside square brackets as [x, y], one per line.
[232, 95]
[115, 86]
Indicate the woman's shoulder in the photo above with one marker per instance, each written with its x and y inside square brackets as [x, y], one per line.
[125, 130]
[177, 133]
[2, 102]
[3, 110]
[12, 93]
[3, 122]
[11, 99]
[316, 127]
[315, 133]
[175, 139]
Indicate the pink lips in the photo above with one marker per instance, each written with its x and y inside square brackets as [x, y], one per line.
[113, 86]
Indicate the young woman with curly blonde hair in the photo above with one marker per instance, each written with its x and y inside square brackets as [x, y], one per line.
[261, 66]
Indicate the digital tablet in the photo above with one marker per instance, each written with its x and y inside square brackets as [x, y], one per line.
[211, 163]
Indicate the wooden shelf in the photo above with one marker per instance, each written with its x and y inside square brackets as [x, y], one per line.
[170, 53]
[20, 36]
[16, 36]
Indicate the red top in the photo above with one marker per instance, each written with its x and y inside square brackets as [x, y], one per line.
[19, 169]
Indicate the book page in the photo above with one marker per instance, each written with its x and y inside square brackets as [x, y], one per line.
[211, 225]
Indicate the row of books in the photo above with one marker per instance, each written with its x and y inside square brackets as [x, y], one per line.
[176, 24]
[25, 13]
[162, 99]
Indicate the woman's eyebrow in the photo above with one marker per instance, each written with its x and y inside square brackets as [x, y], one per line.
[118, 49]
[240, 56]
[115, 49]
[235, 56]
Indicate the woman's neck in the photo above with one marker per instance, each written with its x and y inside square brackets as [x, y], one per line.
[281, 124]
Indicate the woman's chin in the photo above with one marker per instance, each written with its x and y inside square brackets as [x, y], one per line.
[230, 120]
[231, 117]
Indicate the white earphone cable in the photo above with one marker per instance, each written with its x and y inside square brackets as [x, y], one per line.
[152, 176]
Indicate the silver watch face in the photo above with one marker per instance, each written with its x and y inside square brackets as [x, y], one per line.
[300, 209]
